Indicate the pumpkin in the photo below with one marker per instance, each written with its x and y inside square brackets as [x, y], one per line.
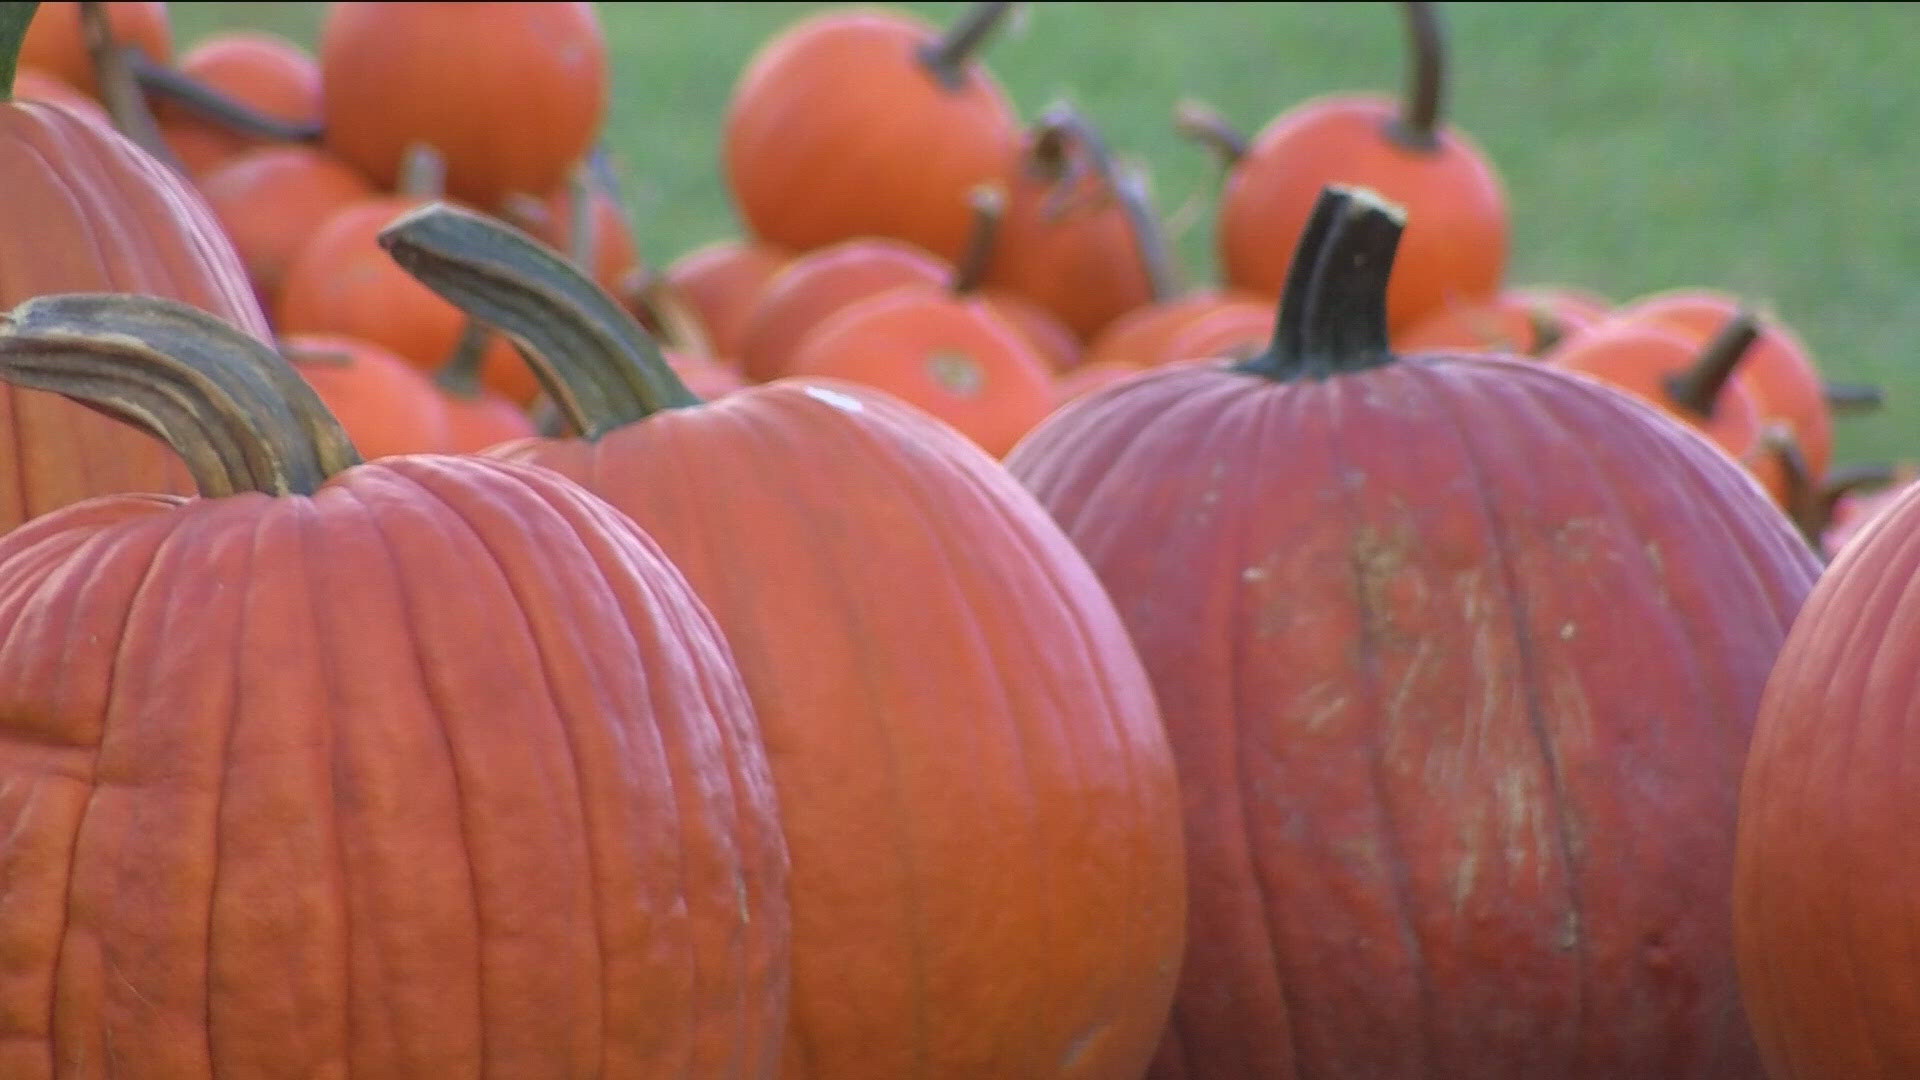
[385, 404]
[1777, 368]
[1052, 340]
[602, 241]
[1823, 888]
[900, 124]
[1234, 329]
[1518, 322]
[978, 803]
[1458, 655]
[263, 73]
[31, 85]
[56, 44]
[1692, 383]
[477, 416]
[272, 200]
[1456, 245]
[427, 766]
[1076, 238]
[720, 282]
[511, 94]
[85, 209]
[1142, 335]
[1087, 378]
[819, 285]
[1852, 508]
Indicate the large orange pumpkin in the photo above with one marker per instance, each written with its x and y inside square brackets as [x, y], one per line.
[82, 208]
[431, 766]
[511, 94]
[1456, 243]
[976, 793]
[867, 122]
[1458, 655]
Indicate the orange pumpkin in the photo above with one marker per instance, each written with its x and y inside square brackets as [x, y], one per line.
[981, 814]
[429, 766]
[1515, 322]
[1674, 373]
[1455, 248]
[511, 94]
[31, 85]
[386, 405]
[899, 124]
[1235, 330]
[477, 416]
[56, 44]
[84, 209]
[272, 200]
[264, 73]
[1142, 336]
[820, 284]
[1089, 378]
[720, 282]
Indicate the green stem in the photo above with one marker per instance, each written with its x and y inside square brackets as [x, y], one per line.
[460, 375]
[1697, 389]
[160, 80]
[14, 20]
[1419, 121]
[1333, 310]
[946, 57]
[232, 408]
[600, 368]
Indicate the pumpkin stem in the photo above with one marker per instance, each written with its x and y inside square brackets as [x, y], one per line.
[14, 20]
[1811, 507]
[1419, 120]
[651, 298]
[1697, 389]
[989, 204]
[1156, 255]
[598, 365]
[1333, 310]
[208, 103]
[1198, 121]
[1852, 398]
[119, 92]
[1548, 329]
[582, 246]
[233, 409]
[946, 56]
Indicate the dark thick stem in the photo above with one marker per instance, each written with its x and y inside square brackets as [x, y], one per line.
[596, 363]
[1333, 311]
[118, 89]
[1548, 328]
[1067, 148]
[231, 407]
[946, 57]
[989, 205]
[1419, 123]
[1853, 398]
[1196, 121]
[208, 103]
[1156, 255]
[1697, 389]
[14, 20]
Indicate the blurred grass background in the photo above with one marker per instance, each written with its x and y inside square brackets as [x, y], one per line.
[1767, 149]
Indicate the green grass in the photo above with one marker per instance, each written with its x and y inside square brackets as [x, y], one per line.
[1767, 149]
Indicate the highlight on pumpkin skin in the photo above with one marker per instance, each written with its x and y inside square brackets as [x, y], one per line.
[236, 412]
[594, 361]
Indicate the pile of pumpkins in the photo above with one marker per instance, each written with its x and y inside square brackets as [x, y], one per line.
[1381, 673]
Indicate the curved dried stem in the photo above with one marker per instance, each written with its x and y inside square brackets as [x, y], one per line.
[1417, 127]
[653, 300]
[1198, 121]
[1852, 399]
[208, 103]
[598, 365]
[946, 57]
[1156, 253]
[231, 407]
[1697, 389]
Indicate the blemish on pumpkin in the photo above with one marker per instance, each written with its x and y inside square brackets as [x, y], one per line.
[1254, 573]
[1566, 631]
[956, 373]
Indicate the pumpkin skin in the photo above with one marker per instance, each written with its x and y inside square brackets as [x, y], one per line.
[56, 44]
[31, 85]
[820, 285]
[1459, 727]
[272, 200]
[511, 107]
[87, 210]
[386, 405]
[1141, 336]
[883, 147]
[1823, 893]
[720, 282]
[1516, 322]
[423, 767]
[262, 71]
[1640, 358]
[969, 767]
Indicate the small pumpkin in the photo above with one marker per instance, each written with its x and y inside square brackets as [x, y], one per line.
[1142, 336]
[720, 282]
[427, 766]
[272, 200]
[511, 94]
[900, 124]
[1456, 243]
[386, 405]
[1692, 383]
[261, 72]
[816, 286]
[1516, 322]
